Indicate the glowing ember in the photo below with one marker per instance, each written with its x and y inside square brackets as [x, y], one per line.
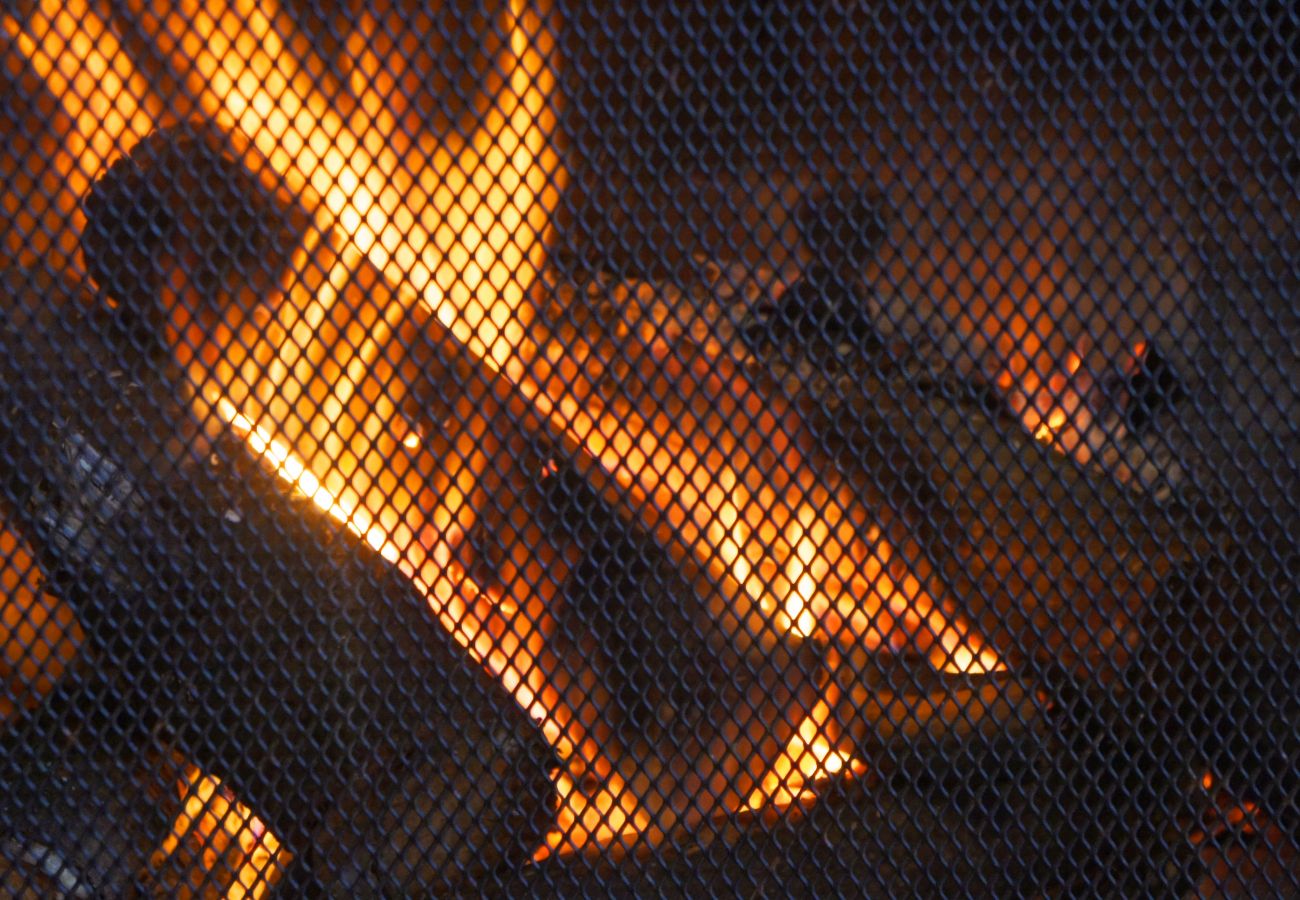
[39, 634]
[1227, 814]
[1053, 403]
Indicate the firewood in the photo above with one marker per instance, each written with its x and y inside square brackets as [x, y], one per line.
[892, 707]
[1050, 560]
[484, 438]
[283, 657]
[87, 802]
[181, 198]
[417, 363]
[698, 717]
[899, 835]
[1047, 559]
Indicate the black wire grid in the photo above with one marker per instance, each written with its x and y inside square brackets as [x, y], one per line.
[958, 556]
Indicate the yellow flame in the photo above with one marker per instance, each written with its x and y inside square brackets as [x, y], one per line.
[226, 833]
[808, 758]
[109, 108]
[72, 48]
[291, 468]
[462, 228]
[806, 567]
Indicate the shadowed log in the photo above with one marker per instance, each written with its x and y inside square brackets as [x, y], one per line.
[1047, 559]
[1051, 561]
[279, 652]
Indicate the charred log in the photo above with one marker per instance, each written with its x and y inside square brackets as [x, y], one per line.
[699, 716]
[484, 439]
[84, 815]
[1006, 824]
[1046, 558]
[1051, 562]
[301, 669]
[893, 707]
[183, 198]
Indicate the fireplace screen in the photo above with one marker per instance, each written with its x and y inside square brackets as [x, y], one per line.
[538, 447]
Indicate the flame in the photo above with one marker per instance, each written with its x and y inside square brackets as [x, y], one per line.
[464, 231]
[39, 633]
[462, 227]
[225, 833]
[808, 758]
[464, 234]
[106, 101]
[1016, 319]
[607, 815]
[1051, 398]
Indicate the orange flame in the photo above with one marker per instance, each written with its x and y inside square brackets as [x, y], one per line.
[108, 103]
[225, 833]
[810, 757]
[463, 228]
[471, 252]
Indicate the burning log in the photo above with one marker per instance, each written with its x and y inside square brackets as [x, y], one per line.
[1050, 561]
[475, 446]
[1046, 559]
[537, 515]
[670, 361]
[917, 833]
[699, 718]
[240, 620]
[431, 374]
[893, 706]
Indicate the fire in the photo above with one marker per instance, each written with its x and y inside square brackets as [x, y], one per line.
[471, 263]
[222, 832]
[606, 816]
[810, 757]
[69, 45]
[1052, 403]
[39, 634]
[461, 228]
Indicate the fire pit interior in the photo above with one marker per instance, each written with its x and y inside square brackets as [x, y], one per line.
[531, 447]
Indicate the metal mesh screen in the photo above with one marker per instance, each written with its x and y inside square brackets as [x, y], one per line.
[738, 448]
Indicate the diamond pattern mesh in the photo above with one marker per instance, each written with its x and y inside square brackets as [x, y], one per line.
[545, 448]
